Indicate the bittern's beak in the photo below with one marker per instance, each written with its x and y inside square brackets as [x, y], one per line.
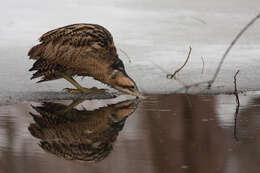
[138, 94]
[122, 82]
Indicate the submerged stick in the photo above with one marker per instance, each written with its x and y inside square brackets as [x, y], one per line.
[170, 76]
[187, 87]
[229, 48]
[237, 107]
[235, 85]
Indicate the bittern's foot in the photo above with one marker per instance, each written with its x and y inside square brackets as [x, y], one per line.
[93, 90]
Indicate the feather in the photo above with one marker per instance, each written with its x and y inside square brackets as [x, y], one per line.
[35, 51]
[85, 48]
[46, 69]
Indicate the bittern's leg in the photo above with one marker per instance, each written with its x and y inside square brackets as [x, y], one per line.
[79, 89]
[71, 106]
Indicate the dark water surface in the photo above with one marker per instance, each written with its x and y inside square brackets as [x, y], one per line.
[163, 133]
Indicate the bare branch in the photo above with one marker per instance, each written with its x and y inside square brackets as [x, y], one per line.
[229, 48]
[170, 76]
[210, 82]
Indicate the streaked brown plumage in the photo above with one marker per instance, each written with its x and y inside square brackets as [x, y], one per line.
[79, 134]
[83, 50]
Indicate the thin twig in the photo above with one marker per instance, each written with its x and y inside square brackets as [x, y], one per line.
[170, 76]
[203, 65]
[198, 19]
[167, 72]
[129, 59]
[237, 107]
[210, 82]
[229, 48]
[236, 92]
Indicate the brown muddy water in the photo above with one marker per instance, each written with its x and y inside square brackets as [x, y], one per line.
[162, 133]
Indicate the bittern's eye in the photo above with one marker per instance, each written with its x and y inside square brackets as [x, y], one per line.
[132, 87]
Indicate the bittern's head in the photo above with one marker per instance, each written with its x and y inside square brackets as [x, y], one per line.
[122, 82]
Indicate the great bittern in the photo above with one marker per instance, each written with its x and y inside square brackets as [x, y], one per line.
[81, 50]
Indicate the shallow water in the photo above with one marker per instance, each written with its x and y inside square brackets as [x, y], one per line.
[163, 133]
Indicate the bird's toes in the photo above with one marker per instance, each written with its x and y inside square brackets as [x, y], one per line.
[96, 90]
[93, 90]
[72, 91]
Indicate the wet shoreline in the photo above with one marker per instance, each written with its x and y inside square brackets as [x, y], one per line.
[18, 97]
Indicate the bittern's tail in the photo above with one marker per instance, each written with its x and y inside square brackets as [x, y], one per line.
[35, 131]
[45, 69]
[36, 51]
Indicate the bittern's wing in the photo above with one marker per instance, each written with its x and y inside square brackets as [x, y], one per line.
[75, 45]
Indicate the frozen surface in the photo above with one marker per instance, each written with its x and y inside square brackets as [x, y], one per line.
[155, 34]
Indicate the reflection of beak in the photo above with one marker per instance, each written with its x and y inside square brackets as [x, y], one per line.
[128, 104]
[125, 109]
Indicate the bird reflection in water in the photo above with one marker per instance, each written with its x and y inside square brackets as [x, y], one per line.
[80, 135]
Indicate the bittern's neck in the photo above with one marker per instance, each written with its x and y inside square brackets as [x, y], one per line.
[102, 77]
